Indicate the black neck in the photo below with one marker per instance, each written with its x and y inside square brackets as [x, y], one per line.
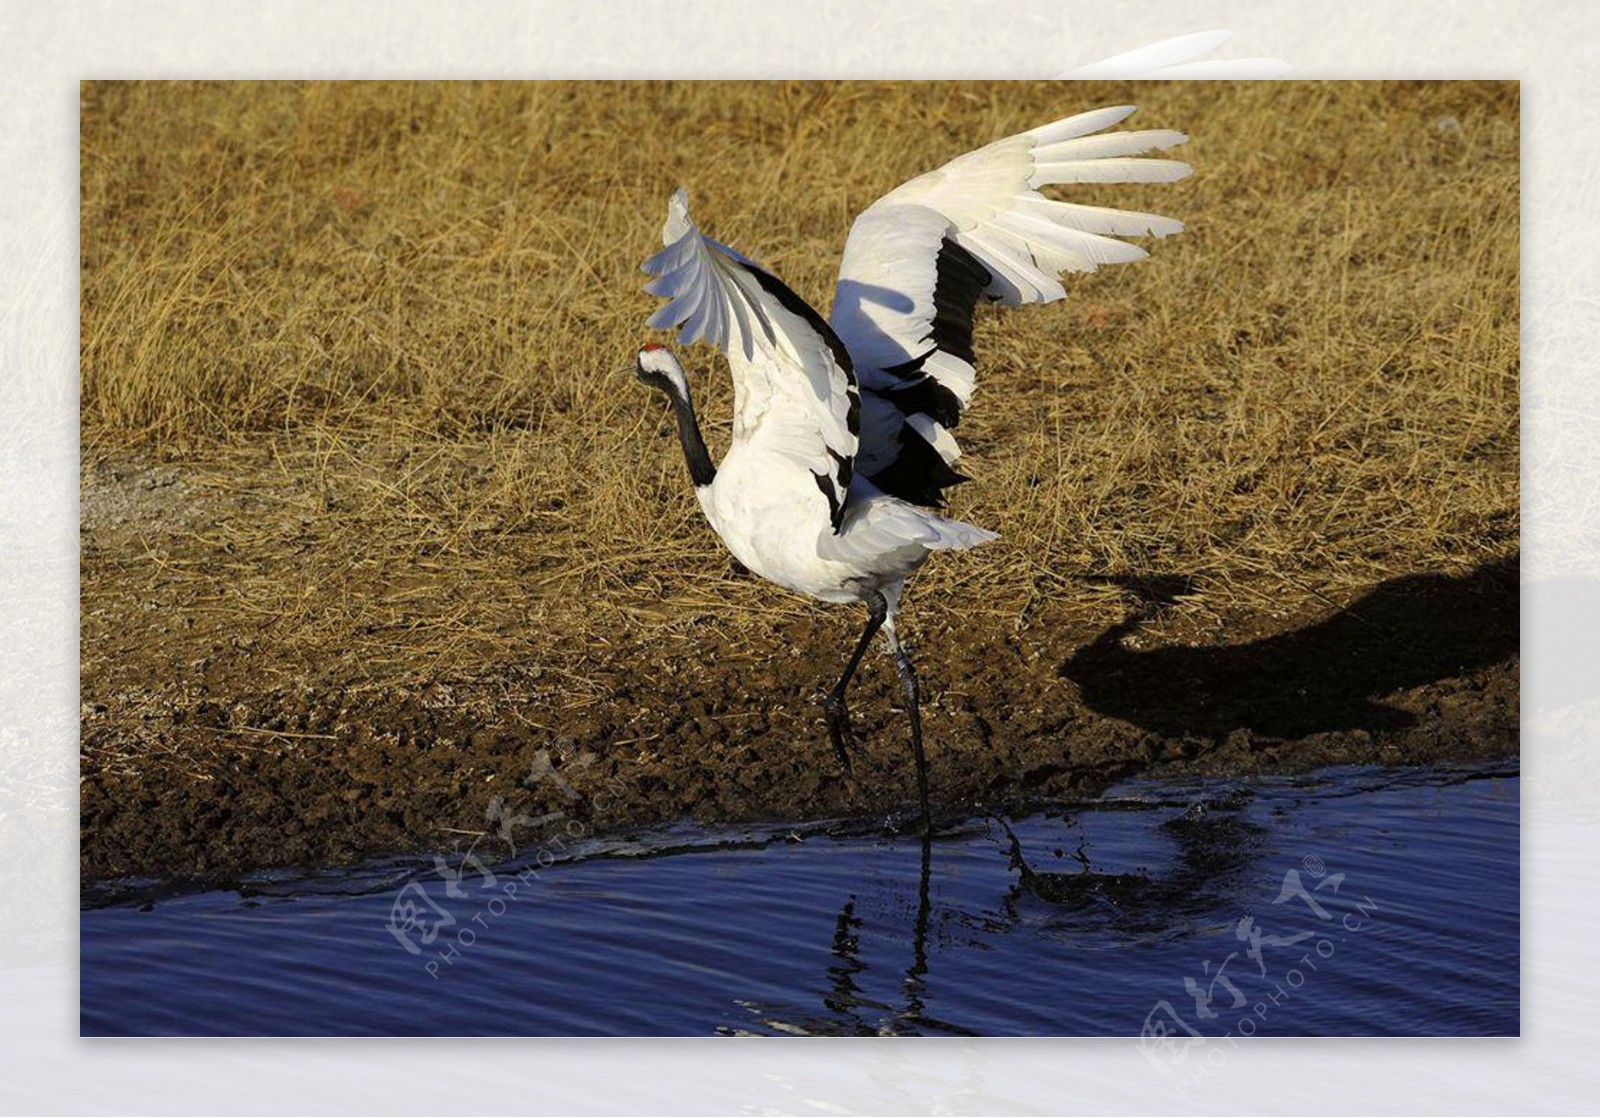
[702, 471]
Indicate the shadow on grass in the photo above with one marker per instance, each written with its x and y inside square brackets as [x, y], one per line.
[1329, 676]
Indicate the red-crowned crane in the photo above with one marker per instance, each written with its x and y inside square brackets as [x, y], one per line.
[842, 442]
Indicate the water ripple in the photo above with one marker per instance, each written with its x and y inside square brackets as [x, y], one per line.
[841, 928]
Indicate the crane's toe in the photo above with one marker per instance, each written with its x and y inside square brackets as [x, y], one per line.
[839, 732]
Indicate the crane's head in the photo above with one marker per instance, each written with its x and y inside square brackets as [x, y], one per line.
[657, 367]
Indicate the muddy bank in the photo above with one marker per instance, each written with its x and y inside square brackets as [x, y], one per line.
[219, 770]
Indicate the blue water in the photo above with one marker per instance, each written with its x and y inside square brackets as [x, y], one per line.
[1377, 903]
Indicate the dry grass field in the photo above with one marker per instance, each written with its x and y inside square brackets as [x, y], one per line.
[373, 509]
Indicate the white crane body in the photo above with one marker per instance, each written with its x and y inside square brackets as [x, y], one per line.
[842, 428]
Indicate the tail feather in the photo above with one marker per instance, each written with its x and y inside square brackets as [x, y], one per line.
[958, 535]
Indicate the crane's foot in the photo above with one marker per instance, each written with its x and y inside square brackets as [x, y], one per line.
[908, 684]
[839, 732]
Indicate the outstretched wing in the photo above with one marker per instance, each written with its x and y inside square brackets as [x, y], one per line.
[920, 257]
[794, 386]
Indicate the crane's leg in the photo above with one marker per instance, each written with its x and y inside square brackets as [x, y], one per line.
[908, 685]
[839, 714]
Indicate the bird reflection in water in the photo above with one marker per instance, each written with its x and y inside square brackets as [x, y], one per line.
[1214, 844]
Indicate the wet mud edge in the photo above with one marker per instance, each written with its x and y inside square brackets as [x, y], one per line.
[185, 785]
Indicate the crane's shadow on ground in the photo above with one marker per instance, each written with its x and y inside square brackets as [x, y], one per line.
[1329, 676]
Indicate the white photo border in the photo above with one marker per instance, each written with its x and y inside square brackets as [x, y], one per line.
[1553, 46]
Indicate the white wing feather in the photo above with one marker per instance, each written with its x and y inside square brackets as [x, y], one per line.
[915, 263]
[794, 392]
[987, 202]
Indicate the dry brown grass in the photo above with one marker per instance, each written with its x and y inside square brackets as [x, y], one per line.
[379, 332]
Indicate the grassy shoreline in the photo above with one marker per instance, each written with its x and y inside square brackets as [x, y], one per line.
[361, 460]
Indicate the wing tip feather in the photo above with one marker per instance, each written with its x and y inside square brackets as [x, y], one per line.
[678, 222]
[1080, 124]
